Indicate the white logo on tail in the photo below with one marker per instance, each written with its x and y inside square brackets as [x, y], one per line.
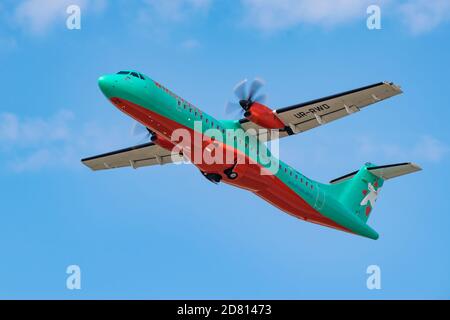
[371, 196]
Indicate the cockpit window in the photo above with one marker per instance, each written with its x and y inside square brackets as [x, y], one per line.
[123, 72]
[134, 74]
[141, 76]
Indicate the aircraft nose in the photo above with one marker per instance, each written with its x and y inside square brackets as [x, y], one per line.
[106, 84]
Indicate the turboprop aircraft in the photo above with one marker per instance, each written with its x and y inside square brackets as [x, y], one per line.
[179, 131]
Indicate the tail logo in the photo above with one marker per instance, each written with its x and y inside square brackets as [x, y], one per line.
[371, 195]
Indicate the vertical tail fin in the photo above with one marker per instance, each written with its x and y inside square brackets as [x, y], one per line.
[359, 190]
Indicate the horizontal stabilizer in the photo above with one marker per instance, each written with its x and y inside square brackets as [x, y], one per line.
[394, 170]
[385, 172]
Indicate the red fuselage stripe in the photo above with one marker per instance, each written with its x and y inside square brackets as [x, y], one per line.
[268, 187]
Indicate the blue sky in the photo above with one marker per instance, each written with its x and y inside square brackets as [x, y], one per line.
[166, 232]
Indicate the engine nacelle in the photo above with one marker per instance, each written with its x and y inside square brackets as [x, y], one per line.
[263, 116]
[162, 142]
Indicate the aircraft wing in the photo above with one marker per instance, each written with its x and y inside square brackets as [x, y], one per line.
[308, 115]
[147, 154]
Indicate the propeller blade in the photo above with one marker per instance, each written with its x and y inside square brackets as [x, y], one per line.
[140, 130]
[240, 90]
[255, 86]
[236, 112]
[240, 113]
[232, 107]
[262, 98]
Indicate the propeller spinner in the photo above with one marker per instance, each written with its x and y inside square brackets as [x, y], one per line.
[247, 95]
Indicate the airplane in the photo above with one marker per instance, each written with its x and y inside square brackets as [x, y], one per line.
[344, 204]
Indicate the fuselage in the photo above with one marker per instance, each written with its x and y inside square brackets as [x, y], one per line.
[165, 113]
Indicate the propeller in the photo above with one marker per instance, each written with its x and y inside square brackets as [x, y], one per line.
[138, 130]
[247, 95]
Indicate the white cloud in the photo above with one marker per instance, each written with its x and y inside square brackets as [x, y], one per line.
[420, 16]
[157, 19]
[38, 16]
[36, 160]
[57, 141]
[351, 151]
[190, 44]
[269, 15]
[426, 149]
[34, 130]
[430, 149]
[424, 15]
[177, 10]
